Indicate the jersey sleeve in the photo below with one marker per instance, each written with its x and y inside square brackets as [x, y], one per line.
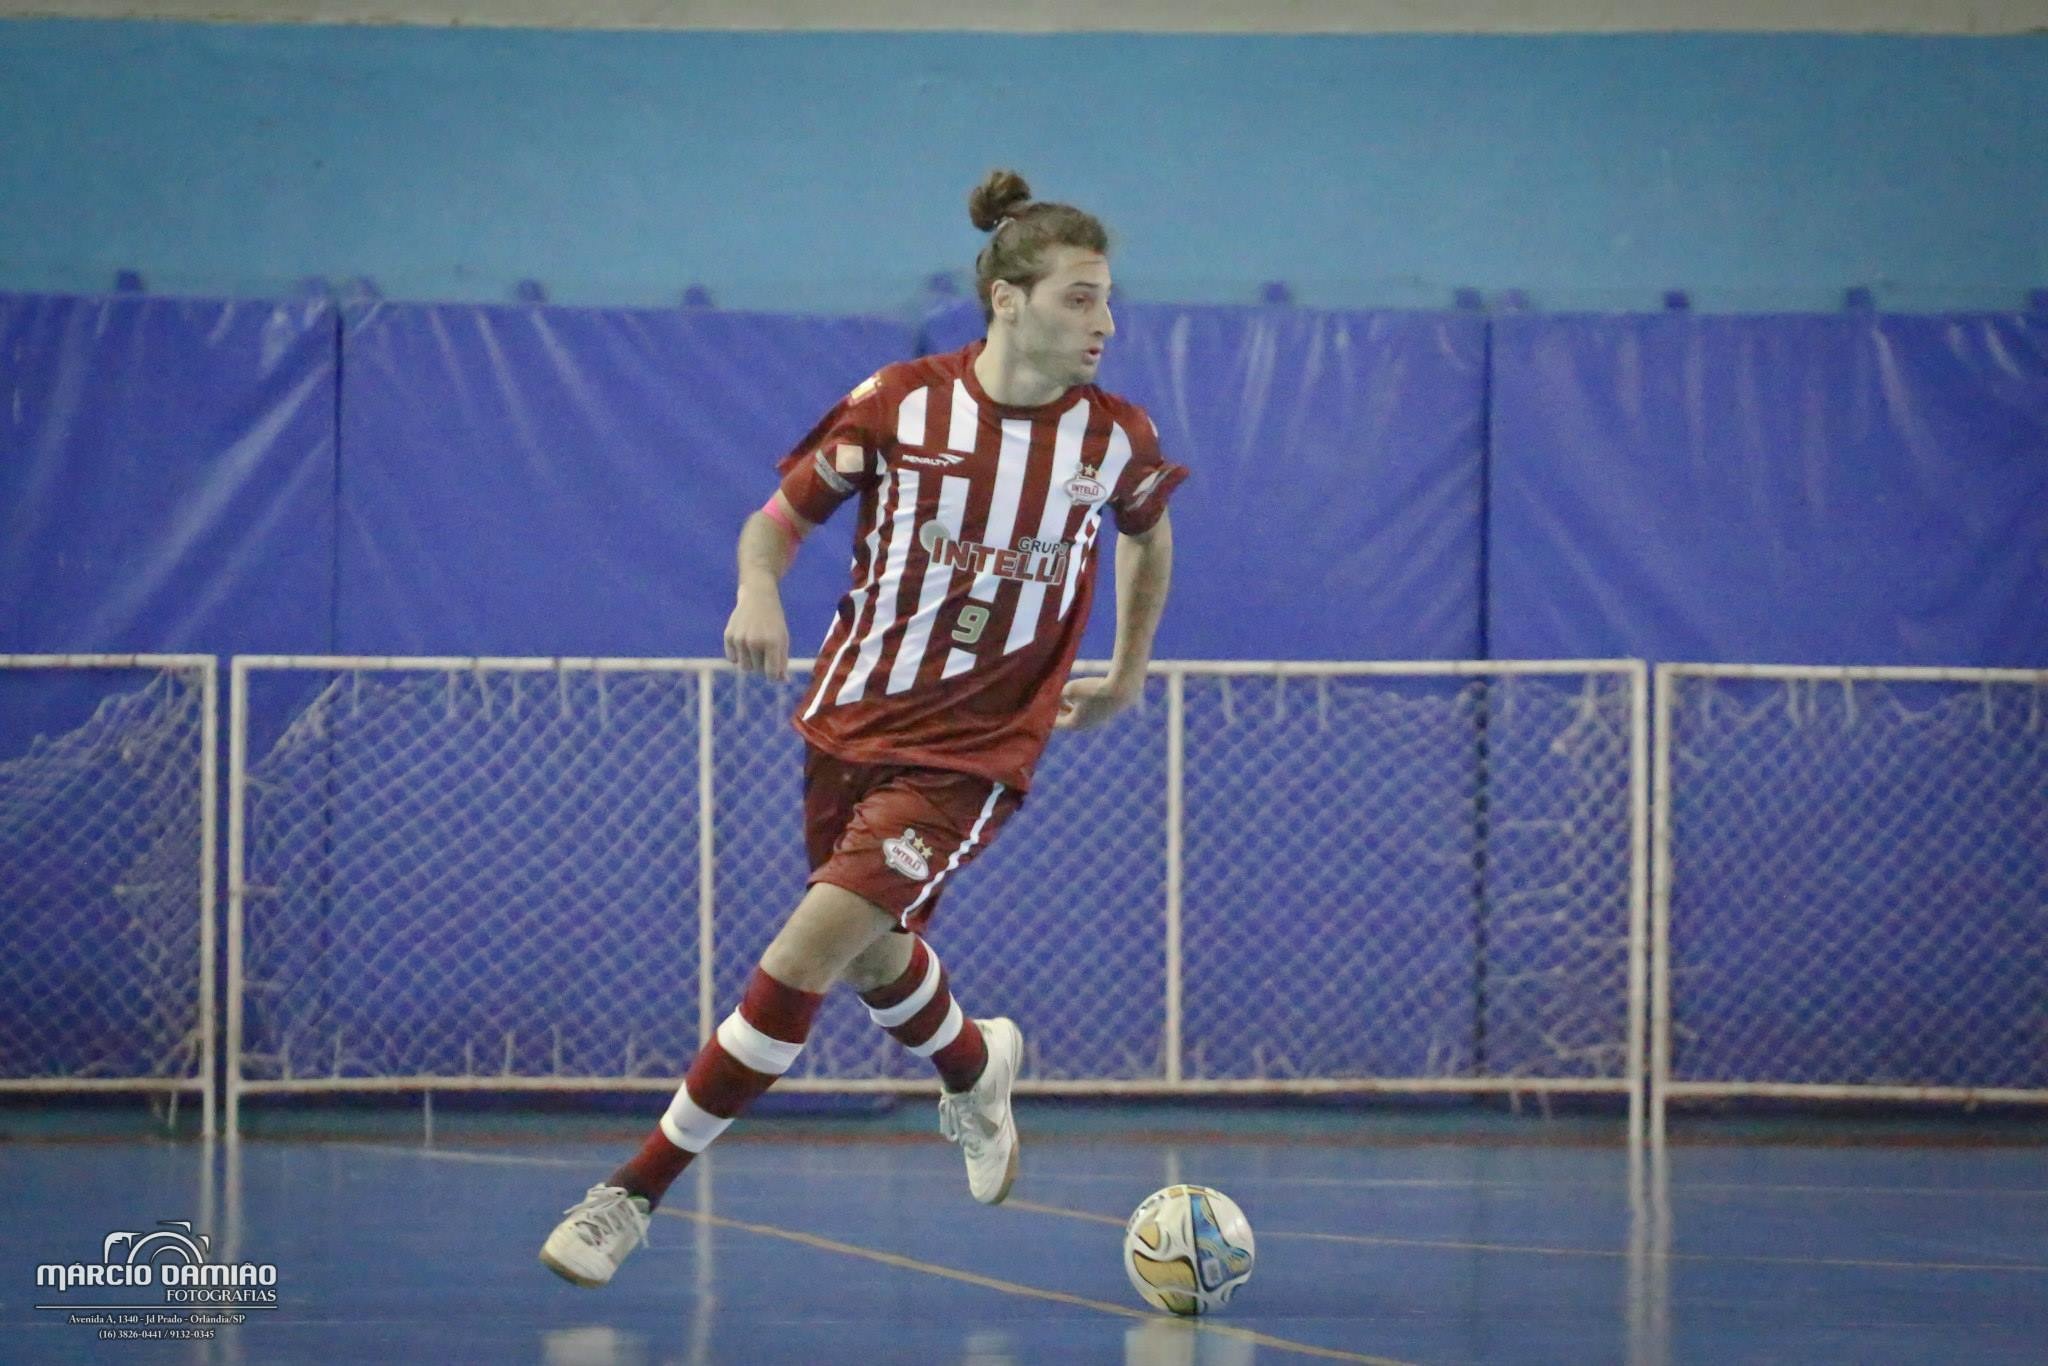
[1148, 480]
[839, 458]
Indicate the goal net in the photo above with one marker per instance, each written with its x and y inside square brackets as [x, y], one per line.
[537, 873]
[106, 821]
[1853, 883]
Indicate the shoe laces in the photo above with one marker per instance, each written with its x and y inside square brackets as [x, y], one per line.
[961, 1120]
[601, 1202]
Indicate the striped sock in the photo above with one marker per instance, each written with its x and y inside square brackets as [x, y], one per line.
[757, 1043]
[922, 1014]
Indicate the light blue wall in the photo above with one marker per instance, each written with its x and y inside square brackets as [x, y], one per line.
[824, 172]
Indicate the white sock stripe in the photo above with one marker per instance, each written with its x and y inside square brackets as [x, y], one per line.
[949, 1030]
[751, 1048]
[901, 1012]
[689, 1125]
[973, 838]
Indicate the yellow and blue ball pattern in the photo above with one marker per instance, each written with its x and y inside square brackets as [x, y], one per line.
[1187, 1249]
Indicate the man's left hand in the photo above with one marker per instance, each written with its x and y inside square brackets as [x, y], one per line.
[1088, 702]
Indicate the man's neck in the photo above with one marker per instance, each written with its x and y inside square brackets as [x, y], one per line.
[1008, 381]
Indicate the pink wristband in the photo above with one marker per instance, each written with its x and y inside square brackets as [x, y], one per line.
[772, 510]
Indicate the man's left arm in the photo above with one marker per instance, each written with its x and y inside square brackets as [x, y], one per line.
[1144, 571]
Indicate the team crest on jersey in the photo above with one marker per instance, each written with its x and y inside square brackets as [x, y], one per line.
[1085, 487]
[909, 855]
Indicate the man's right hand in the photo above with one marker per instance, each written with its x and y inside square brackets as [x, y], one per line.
[757, 635]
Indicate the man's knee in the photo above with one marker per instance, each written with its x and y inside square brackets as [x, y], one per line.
[880, 963]
[828, 929]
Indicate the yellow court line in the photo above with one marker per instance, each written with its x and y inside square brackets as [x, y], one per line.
[1365, 1182]
[1014, 1287]
[1613, 1184]
[912, 1263]
[1753, 1259]
[1532, 1250]
[1037, 1208]
[1994, 1192]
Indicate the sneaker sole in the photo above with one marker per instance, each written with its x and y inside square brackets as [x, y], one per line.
[1010, 1173]
[1016, 1144]
[566, 1274]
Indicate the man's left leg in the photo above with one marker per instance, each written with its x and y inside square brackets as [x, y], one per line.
[906, 837]
[904, 987]
[908, 993]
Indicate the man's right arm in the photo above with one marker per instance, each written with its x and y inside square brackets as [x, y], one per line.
[757, 633]
[829, 466]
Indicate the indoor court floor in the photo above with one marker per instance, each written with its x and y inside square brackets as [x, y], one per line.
[867, 1249]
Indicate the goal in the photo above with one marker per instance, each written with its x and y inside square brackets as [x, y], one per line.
[520, 874]
[106, 874]
[1851, 884]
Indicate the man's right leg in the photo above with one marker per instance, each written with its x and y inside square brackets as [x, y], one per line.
[757, 1043]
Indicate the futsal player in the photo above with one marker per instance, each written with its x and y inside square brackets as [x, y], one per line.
[981, 479]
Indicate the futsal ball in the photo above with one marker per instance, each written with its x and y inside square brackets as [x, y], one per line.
[1187, 1249]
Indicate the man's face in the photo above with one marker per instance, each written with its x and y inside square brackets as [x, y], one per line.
[1064, 321]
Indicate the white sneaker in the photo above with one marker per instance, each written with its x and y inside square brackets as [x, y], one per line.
[979, 1119]
[588, 1245]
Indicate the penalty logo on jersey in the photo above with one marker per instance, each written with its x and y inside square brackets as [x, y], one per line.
[909, 855]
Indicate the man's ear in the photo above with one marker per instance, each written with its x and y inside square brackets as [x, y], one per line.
[1005, 298]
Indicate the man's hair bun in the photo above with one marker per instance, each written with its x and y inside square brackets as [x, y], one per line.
[997, 198]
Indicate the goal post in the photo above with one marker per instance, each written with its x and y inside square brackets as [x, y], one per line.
[1851, 884]
[554, 874]
[462, 873]
[107, 801]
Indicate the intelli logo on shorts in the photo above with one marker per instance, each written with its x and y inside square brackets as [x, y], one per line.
[908, 855]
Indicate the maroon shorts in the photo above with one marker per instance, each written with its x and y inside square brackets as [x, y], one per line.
[897, 835]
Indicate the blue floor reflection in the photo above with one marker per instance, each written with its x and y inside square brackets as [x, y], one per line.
[872, 1252]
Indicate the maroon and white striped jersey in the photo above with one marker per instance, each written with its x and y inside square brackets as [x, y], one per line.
[973, 564]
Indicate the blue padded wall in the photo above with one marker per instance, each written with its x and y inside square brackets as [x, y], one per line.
[554, 481]
[1816, 489]
[166, 474]
[166, 485]
[530, 480]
